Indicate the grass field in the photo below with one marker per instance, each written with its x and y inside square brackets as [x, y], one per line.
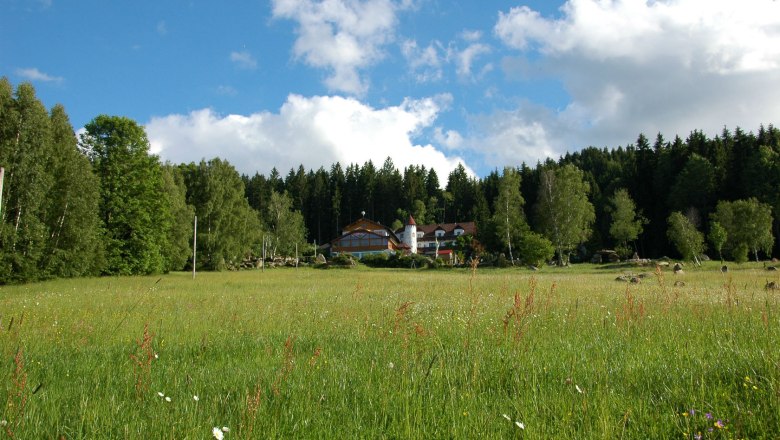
[559, 353]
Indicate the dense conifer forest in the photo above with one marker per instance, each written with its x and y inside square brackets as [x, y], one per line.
[100, 203]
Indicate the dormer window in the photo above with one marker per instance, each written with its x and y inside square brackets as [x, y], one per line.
[459, 231]
[440, 233]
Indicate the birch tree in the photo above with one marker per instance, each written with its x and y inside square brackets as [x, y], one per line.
[563, 212]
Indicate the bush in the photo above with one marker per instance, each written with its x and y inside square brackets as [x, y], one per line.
[740, 253]
[375, 260]
[342, 260]
[535, 249]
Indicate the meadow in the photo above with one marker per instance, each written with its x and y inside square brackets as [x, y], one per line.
[370, 353]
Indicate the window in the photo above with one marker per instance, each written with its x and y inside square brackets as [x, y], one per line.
[439, 233]
[458, 231]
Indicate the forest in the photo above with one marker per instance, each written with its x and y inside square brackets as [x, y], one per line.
[101, 204]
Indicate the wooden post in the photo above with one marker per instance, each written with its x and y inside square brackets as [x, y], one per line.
[296, 255]
[263, 256]
[194, 246]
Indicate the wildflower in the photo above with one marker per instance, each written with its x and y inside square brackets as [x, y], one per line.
[719, 424]
[708, 416]
[160, 394]
[579, 390]
[391, 365]
[520, 425]
[692, 412]
[225, 429]
[167, 399]
[697, 436]
[217, 433]
[195, 398]
[506, 417]
[3, 422]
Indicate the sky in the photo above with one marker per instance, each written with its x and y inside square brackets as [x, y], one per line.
[489, 84]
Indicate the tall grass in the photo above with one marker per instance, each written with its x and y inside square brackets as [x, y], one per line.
[393, 354]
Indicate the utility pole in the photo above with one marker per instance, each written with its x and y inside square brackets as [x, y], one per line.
[194, 245]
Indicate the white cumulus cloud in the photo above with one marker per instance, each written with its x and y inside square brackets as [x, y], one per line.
[314, 131]
[243, 59]
[632, 66]
[342, 36]
[33, 74]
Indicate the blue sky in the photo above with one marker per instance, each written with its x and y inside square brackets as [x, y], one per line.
[490, 84]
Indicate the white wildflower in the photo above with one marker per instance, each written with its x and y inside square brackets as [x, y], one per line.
[225, 429]
[167, 399]
[217, 433]
[391, 365]
[195, 398]
[579, 390]
[160, 394]
[3, 422]
[506, 417]
[520, 425]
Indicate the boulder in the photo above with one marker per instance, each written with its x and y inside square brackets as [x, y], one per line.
[724, 268]
[679, 284]
[771, 285]
[772, 269]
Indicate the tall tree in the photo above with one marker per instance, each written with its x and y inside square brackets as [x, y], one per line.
[228, 228]
[563, 211]
[285, 225]
[508, 218]
[626, 223]
[72, 216]
[132, 200]
[177, 248]
[748, 225]
[26, 153]
[685, 237]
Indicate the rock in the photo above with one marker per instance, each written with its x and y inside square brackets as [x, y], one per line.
[679, 284]
[678, 268]
[605, 256]
[623, 278]
[772, 269]
[532, 267]
[771, 285]
[724, 269]
[662, 263]
[634, 280]
[321, 259]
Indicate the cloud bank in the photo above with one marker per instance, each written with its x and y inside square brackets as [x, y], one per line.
[315, 132]
[632, 66]
[342, 36]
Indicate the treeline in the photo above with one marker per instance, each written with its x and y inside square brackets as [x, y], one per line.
[632, 191]
[102, 204]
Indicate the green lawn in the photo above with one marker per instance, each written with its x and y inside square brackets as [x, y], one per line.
[361, 353]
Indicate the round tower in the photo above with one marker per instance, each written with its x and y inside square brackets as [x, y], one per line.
[410, 235]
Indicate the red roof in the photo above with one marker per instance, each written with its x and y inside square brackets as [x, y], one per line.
[411, 221]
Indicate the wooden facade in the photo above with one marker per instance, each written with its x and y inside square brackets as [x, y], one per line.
[364, 237]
